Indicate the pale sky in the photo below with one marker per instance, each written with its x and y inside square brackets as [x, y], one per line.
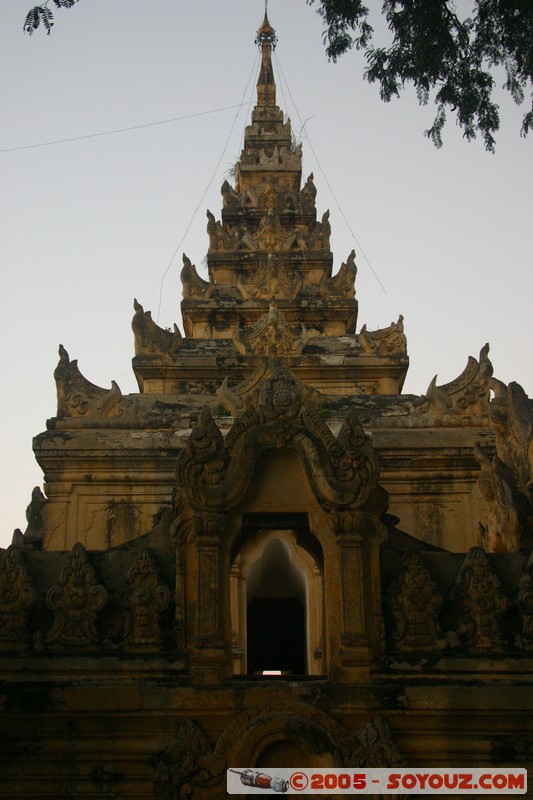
[88, 225]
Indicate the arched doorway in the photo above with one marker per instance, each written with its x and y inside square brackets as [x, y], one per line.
[276, 613]
[277, 601]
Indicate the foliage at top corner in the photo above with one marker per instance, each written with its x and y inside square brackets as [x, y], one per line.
[42, 14]
[443, 54]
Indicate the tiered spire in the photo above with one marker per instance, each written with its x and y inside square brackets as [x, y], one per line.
[269, 246]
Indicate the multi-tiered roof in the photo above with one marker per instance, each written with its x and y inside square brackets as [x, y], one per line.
[270, 289]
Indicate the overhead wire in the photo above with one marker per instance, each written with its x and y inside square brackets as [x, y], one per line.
[305, 132]
[178, 247]
[119, 130]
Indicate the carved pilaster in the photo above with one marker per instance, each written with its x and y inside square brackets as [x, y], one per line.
[350, 541]
[208, 528]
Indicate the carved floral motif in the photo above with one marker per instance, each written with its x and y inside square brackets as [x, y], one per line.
[16, 598]
[415, 606]
[150, 339]
[146, 600]
[76, 600]
[386, 341]
[481, 603]
[77, 397]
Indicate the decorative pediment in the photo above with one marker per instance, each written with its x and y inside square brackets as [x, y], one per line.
[150, 339]
[213, 473]
[271, 335]
[77, 397]
[271, 280]
[386, 341]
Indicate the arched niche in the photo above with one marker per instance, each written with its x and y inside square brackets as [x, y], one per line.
[277, 598]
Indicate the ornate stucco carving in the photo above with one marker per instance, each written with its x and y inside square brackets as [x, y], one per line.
[377, 747]
[190, 767]
[186, 765]
[271, 236]
[192, 285]
[17, 596]
[343, 283]
[282, 157]
[146, 599]
[308, 193]
[467, 395]
[506, 479]
[150, 339]
[271, 335]
[271, 280]
[77, 397]
[415, 605]
[213, 473]
[386, 341]
[481, 603]
[268, 193]
[75, 601]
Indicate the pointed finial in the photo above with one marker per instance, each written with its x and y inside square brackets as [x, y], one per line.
[266, 88]
[266, 33]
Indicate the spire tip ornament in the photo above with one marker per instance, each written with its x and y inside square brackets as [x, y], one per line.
[266, 33]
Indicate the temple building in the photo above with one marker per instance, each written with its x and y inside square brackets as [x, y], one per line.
[268, 555]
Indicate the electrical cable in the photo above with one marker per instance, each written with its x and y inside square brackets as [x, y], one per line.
[119, 130]
[330, 187]
[178, 247]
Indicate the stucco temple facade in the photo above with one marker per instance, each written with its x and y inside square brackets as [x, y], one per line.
[268, 500]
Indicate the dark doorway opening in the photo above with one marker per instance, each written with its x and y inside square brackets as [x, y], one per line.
[276, 635]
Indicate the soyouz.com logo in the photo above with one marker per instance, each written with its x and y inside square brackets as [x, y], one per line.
[378, 781]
